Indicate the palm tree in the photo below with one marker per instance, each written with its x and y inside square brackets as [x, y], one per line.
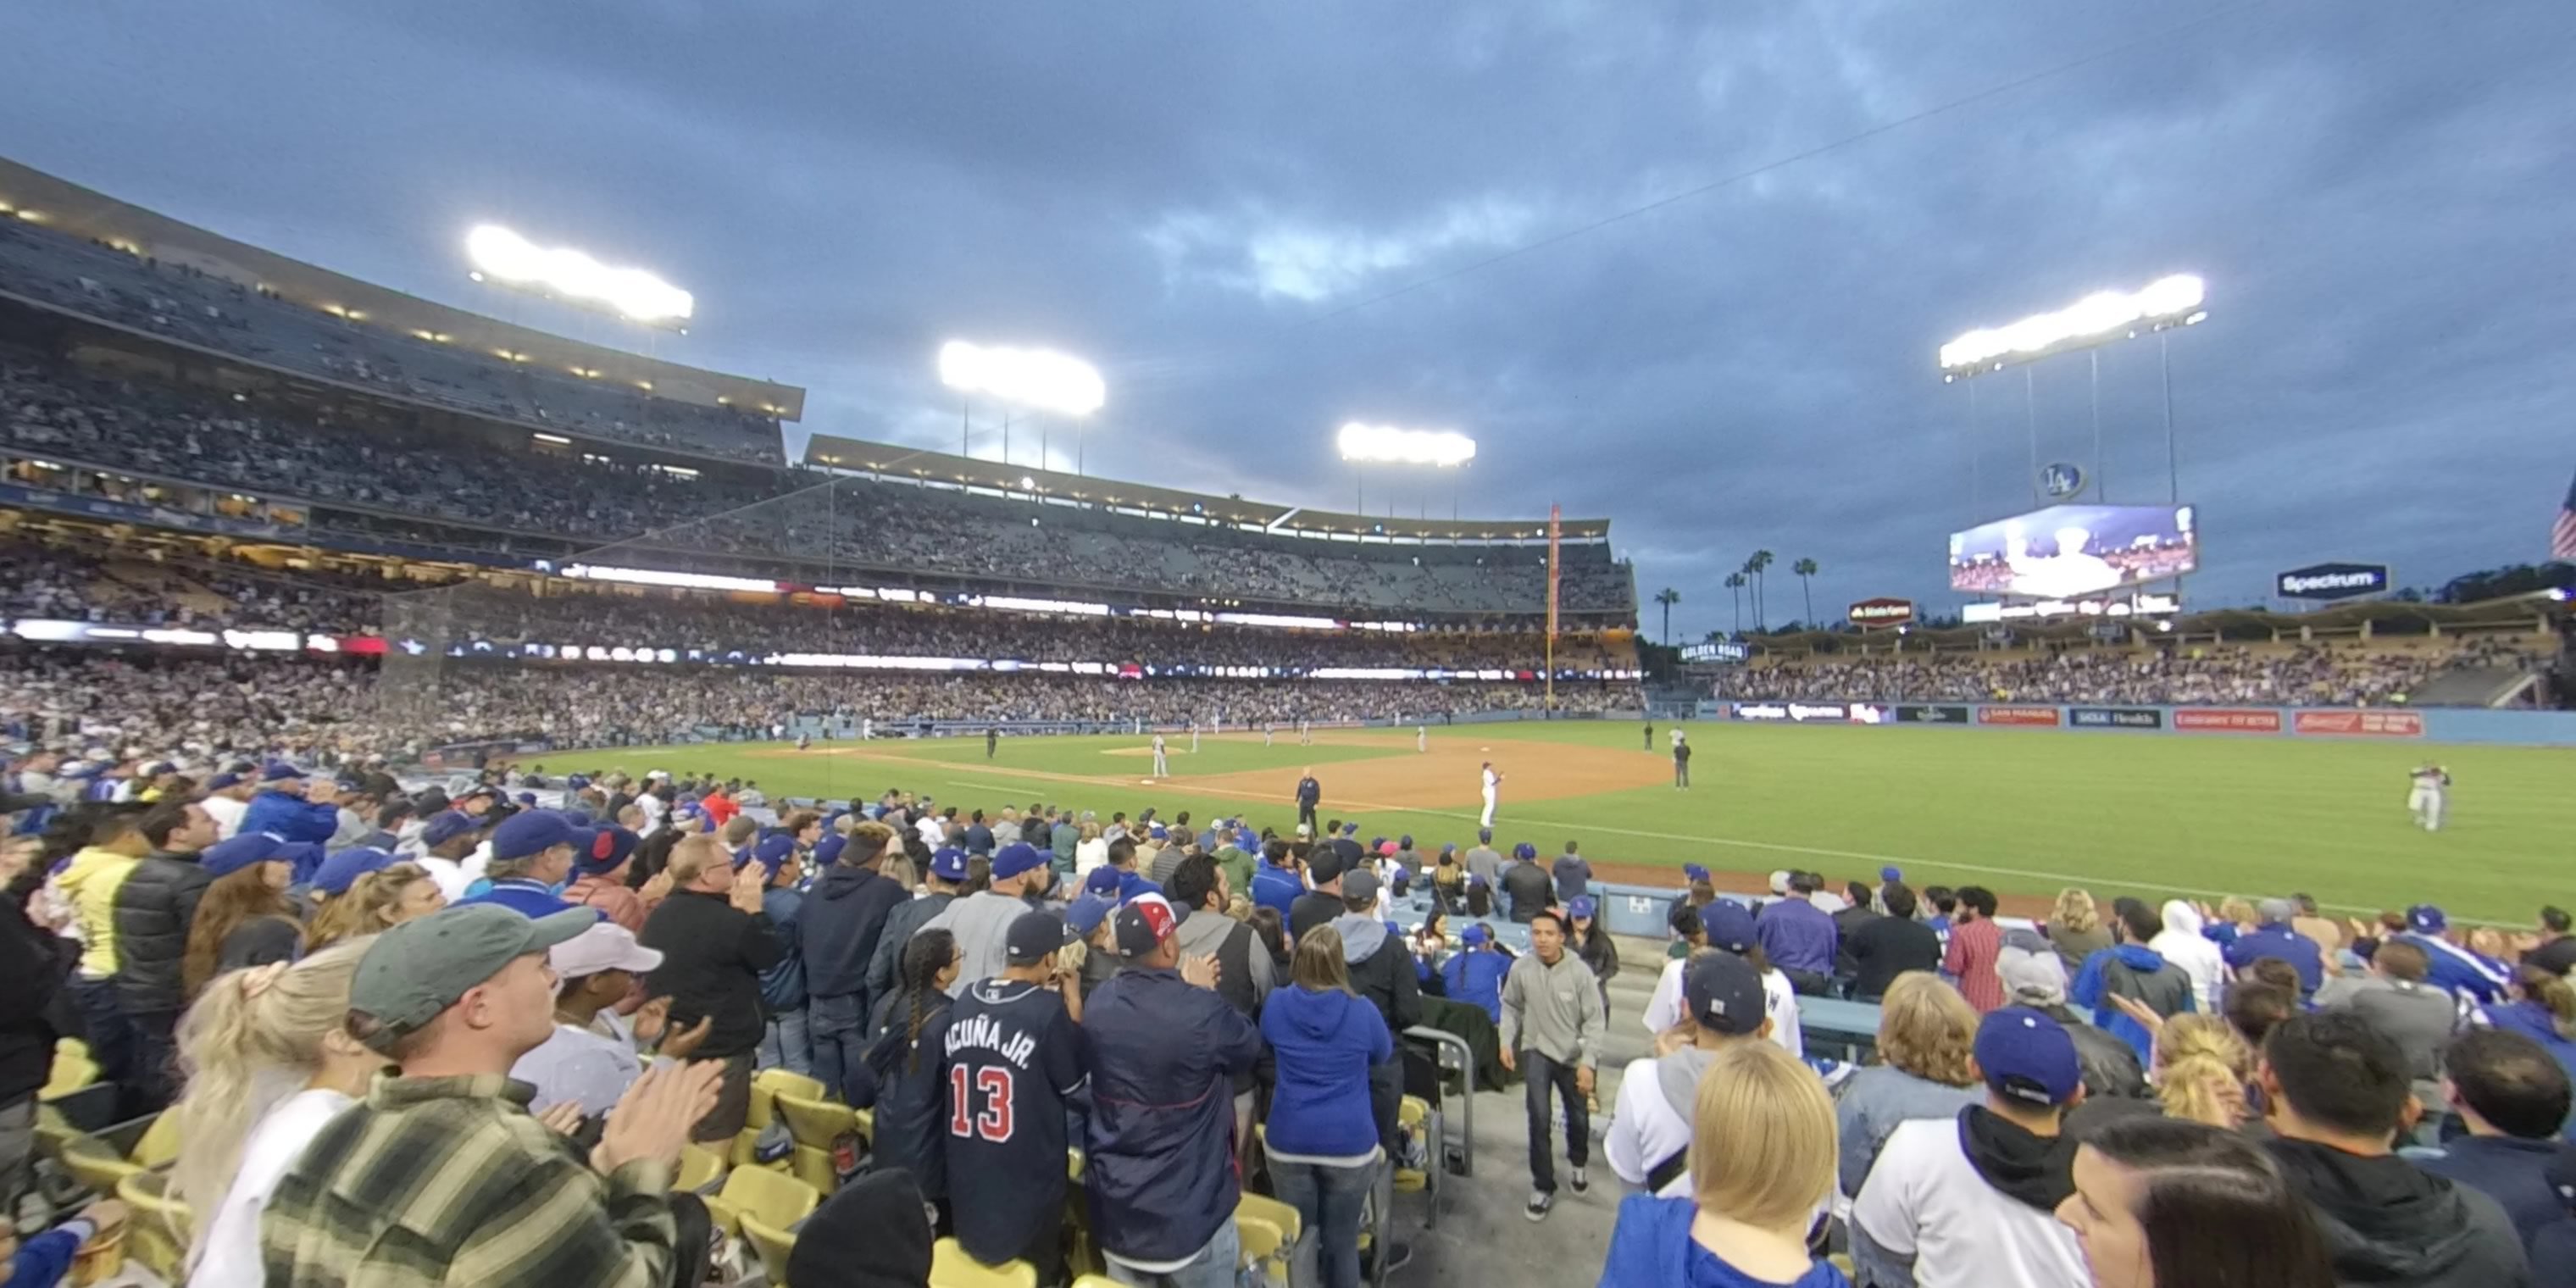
[1735, 582]
[1668, 597]
[1757, 565]
[1806, 568]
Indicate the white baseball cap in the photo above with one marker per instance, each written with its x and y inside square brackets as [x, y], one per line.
[606, 946]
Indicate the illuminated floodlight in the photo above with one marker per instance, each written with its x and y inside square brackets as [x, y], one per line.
[513, 260]
[1405, 446]
[1037, 378]
[2095, 319]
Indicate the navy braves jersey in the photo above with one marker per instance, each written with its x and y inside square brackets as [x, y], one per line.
[1014, 1064]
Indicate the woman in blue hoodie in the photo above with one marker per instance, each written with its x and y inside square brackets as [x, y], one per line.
[1762, 1167]
[1322, 1135]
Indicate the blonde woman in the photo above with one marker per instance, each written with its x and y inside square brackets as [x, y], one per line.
[1762, 1136]
[268, 1060]
[2075, 928]
[1089, 852]
[375, 902]
[1926, 1032]
[2202, 1068]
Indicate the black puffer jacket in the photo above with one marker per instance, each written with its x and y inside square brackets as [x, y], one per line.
[29, 1006]
[153, 910]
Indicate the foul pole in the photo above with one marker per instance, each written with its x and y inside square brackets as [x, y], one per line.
[1555, 532]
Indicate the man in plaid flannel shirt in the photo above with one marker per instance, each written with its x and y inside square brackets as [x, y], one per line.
[442, 1177]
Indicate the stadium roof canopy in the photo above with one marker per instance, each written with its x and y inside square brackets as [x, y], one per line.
[949, 469]
[67, 207]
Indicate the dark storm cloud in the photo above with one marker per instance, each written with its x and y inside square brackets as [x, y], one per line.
[1199, 195]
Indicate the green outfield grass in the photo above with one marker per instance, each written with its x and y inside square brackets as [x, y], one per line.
[2021, 811]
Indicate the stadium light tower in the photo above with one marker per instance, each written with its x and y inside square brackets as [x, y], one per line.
[500, 255]
[1365, 444]
[1038, 379]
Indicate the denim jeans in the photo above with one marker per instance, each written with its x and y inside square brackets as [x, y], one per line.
[1218, 1265]
[785, 1044]
[110, 1036]
[1541, 1076]
[836, 1032]
[1329, 1203]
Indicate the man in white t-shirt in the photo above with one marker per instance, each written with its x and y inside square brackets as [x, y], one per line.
[592, 1059]
[1971, 1202]
[1730, 929]
[1650, 1127]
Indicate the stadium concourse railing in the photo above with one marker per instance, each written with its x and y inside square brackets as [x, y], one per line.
[2417, 724]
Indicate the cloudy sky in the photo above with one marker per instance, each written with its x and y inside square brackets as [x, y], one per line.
[1263, 219]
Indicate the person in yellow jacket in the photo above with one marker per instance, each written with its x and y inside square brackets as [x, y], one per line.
[89, 884]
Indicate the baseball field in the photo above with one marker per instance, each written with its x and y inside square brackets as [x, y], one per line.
[2024, 812]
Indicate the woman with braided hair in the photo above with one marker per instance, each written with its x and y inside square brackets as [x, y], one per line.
[897, 1078]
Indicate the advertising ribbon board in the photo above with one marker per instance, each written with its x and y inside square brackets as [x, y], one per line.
[2226, 720]
[2115, 718]
[2359, 724]
[1909, 714]
[2034, 717]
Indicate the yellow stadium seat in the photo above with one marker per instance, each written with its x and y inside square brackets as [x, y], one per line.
[72, 1047]
[778, 1199]
[1262, 1207]
[1268, 1230]
[1414, 1113]
[766, 1086]
[1095, 1281]
[950, 1267]
[772, 1245]
[70, 1073]
[817, 1126]
[158, 1147]
[158, 1233]
[94, 1164]
[700, 1167]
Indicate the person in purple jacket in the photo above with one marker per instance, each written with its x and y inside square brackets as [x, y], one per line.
[1798, 936]
[1164, 1052]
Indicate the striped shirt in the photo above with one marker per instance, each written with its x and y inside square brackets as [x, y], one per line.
[449, 1181]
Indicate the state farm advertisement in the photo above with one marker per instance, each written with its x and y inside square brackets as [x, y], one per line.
[2359, 724]
[2027, 717]
[2226, 720]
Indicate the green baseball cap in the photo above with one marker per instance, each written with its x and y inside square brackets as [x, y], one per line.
[419, 968]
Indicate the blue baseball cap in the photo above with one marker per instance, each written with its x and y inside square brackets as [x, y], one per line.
[1724, 993]
[772, 853]
[342, 870]
[1158, 832]
[1891, 873]
[1693, 872]
[1103, 880]
[2028, 1056]
[2426, 919]
[1485, 836]
[532, 832]
[1728, 925]
[446, 825]
[609, 846]
[527, 798]
[221, 781]
[1580, 906]
[225, 858]
[1086, 913]
[279, 772]
[1015, 859]
[1477, 934]
[949, 864]
[828, 850]
[1524, 850]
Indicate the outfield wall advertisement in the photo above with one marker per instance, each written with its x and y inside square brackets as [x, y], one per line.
[2431, 724]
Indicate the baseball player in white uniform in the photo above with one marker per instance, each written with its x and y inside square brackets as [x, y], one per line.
[2430, 797]
[1194, 737]
[1162, 766]
[1493, 785]
[1677, 735]
[1265, 733]
[1305, 733]
[1422, 737]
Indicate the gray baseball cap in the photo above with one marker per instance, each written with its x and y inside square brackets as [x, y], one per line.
[419, 968]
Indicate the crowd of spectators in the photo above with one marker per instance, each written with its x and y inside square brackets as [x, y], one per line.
[182, 303]
[2182, 675]
[413, 481]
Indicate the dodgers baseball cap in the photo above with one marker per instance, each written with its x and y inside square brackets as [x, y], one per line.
[225, 858]
[1524, 850]
[1728, 925]
[1086, 913]
[2426, 919]
[342, 870]
[772, 853]
[1359, 885]
[1694, 873]
[609, 846]
[419, 968]
[1035, 934]
[1724, 993]
[949, 864]
[1477, 935]
[2028, 1056]
[605, 946]
[1891, 873]
[279, 772]
[446, 825]
[1582, 906]
[828, 850]
[1103, 880]
[532, 832]
[1143, 924]
[1014, 859]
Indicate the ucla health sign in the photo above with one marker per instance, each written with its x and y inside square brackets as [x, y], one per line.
[2333, 581]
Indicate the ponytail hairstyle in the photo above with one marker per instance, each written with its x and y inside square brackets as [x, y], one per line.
[365, 909]
[928, 954]
[2553, 992]
[2201, 1070]
[253, 1040]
